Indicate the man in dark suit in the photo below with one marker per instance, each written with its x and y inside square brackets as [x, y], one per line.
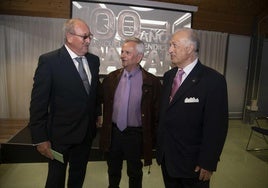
[63, 109]
[134, 137]
[194, 120]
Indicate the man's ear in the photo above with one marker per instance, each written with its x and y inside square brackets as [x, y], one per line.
[69, 37]
[190, 48]
[140, 57]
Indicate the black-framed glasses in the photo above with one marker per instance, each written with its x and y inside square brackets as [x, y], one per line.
[84, 37]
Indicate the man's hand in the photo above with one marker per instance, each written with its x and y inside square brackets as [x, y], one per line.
[204, 174]
[44, 149]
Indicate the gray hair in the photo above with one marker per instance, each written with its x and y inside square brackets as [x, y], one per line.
[140, 47]
[192, 38]
[69, 26]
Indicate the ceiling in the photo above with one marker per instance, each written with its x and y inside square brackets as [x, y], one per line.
[232, 16]
[243, 17]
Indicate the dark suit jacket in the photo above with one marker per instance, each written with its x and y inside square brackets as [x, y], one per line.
[193, 127]
[149, 110]
[61, 111]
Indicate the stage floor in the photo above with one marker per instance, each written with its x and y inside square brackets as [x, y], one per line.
[16, 145]
[10, 127]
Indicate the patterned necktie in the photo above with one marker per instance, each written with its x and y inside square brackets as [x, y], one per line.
[176, 83]
[83, 74]
[123, 106]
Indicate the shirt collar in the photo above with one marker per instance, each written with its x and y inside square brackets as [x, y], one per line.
[190, 67]
[133, 72]
[72, 54]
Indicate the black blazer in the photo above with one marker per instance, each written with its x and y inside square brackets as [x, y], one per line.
[61, 111]
[193, 126]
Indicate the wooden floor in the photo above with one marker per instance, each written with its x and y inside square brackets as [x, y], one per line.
[10, 127]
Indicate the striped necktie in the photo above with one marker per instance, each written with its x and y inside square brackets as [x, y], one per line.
[83, 74]
[176, 83]
[123, 107]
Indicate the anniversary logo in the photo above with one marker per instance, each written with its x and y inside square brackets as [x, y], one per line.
[111, 24]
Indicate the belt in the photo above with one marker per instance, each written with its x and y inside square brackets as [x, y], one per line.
[128, 126]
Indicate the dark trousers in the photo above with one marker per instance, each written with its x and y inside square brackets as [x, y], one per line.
[125, 145]
[77, 156]
[175, 182]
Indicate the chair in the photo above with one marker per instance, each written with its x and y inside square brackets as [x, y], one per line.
[261, 131]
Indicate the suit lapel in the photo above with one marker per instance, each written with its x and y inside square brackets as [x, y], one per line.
[117, 79]
[70, 70]
[168, 80]
[191, 80]
[90, 66]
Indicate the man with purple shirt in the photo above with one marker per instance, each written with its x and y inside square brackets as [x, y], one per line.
[130, 97]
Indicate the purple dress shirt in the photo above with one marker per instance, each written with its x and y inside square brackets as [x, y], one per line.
[134, 107]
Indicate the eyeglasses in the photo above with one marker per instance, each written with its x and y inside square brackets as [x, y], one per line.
[84, 37]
